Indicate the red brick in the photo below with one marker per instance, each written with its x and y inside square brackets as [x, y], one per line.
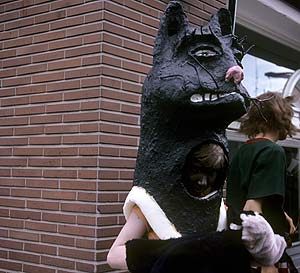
[127, 130]
[32, 49]
[112, 39]
[12, 182]
[31, 110]
[121, 52]
[9, 16]
[119, 117]
[15, 266]
[121, 96]
[45, 227]
[42, 183]
[120, 140]
[64, 64]
[27, 172]
[34, 10]
[19, 23]
[110, 128]
[46, 98]
[13, 141]
[94, 37]
[68, 22]
[24, 235]
[15, 101]
[87, 174]
[48, 56]
[84, 72]
[83, 51]
[25, 214]
[65, 43]
[85, 139]
[42, 205]
[110, 208]
[49, 140]
[26, 257]
[5, 92]
[32, 69]
[37, 269]
[31, 89]
[121, 31]
[41, 28]
[60, 218]
[78, 254]
[58, 262]
[12, 223]
[121, 10]
[57, 240]
[29, 130]
[65, 85]
[4, 54]
[60, 173]
[79, 162]
[40, 248]
[64, 4]
[10, 244]
[71, 207]
[16, 81]
[84, 185]
[90, 60]
[47, 119]
[76, 230]
[87, 94]
[91, 7]
[44, 162]
[6, 132]
[61, 195]
[90, 82]
[86, 267]
[90, 127]
[17, 203]
[89, 197]
[49, 36]
[48, 77]
[107, 220]
[61, 151]
[113, 186]
[62, 129]
[26, 193]
[5, 192]
[27, 151]
[109, 174]
[126, 174]
[8, 73]
[5, 151]
[50, 16]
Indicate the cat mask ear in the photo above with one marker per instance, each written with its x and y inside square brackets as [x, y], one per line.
[173, 27]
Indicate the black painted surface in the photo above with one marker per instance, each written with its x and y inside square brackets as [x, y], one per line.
[187, 61]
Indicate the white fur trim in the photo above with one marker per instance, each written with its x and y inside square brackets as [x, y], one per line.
[222, 224]
[155, 216]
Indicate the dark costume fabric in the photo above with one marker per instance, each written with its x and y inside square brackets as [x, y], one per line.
[258, 170]
[213, 253]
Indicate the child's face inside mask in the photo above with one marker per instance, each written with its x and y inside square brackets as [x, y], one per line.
[201, 182]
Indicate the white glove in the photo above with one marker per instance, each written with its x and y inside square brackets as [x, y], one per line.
[265, 247]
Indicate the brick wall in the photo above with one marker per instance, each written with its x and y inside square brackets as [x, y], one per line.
[71, 74]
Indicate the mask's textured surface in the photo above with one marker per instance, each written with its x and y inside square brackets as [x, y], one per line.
[186, 102]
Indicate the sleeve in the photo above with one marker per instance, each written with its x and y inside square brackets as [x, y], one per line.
[268, 174]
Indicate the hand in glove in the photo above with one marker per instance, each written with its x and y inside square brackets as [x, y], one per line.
[265, 247]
